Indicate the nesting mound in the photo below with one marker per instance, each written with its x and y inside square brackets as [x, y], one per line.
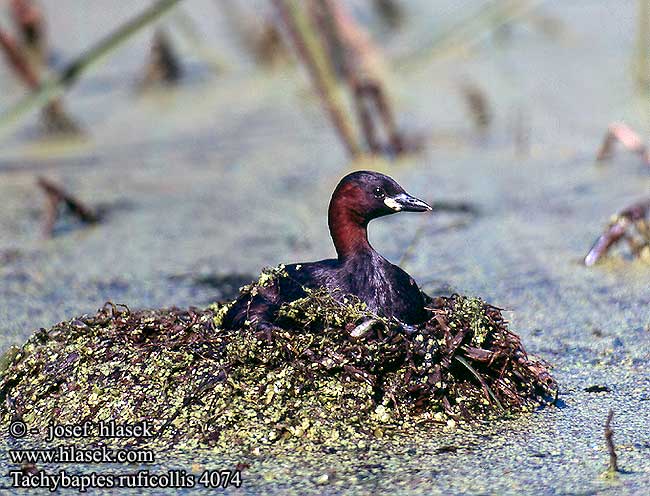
[330, 372]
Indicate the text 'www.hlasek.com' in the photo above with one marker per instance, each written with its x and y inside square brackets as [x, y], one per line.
[61, 451]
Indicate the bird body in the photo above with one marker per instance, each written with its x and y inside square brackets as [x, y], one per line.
[358, 270]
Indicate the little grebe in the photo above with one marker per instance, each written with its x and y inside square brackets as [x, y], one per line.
[359, 270]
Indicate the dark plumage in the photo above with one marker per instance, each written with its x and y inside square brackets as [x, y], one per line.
[359, 270]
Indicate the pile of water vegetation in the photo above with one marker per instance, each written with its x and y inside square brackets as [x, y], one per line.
[331, 372]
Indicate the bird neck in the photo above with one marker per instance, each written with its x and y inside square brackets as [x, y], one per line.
[349, 230]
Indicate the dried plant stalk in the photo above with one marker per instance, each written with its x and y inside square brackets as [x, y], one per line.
[622, 133]
[632, 224]
[55, 196]
[163, 65]
[312, 54]
[17, 61]
[477, 104]
[612, 468]
[256, 32]
[29, 20]
[390, 12]
[55, 118]
[53, 87]
[360, 62]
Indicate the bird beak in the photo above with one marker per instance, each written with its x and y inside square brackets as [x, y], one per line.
[407, 203]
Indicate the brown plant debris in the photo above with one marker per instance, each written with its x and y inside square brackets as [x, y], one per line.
[55, 119]
[331, 373]
[612, 468]
[477, 104]
[256, 30]
[390, 12]
[57, 196]
[622, 133]
[163, 66]
[372, 105]
[311, 54]
[632, 225]
[268, 45]
[17, 60]
[359, 62]
[29, 20]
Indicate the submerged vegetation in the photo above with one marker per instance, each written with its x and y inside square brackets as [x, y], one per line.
[330, 373]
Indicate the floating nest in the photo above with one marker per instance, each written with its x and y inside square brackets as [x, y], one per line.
[331, 372]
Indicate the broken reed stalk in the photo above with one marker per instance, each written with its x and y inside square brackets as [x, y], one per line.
[163, 66]
[256, 33]
[54, 115]
[390, 12]
[17, 61]
[477, 104]
[486, 388]
[612, 468]
[28, 18]
[312, 53]
[621, 226]
[357, 57]
[622, 133]
[323, 19]
[56, 195]
[59, 83]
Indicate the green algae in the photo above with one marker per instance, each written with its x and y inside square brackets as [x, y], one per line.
[7, 358]
[470, 310]
[331, 373]
[320, 308]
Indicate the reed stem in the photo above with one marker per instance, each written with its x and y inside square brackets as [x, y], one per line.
[313, 54]
[17, 61]
[56, 85]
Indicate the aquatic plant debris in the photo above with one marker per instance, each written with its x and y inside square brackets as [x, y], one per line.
[477, 104]
[52, 87]
[359, 63]
[29, 21]
[55, 118]
[163, 66]
[331, 373]
[56, 196]
[631, 224]
[612, 467]
[622, 133]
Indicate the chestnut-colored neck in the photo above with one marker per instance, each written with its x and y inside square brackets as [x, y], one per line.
[348, 227]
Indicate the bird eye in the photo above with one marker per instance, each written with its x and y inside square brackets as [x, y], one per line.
[379, 193]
